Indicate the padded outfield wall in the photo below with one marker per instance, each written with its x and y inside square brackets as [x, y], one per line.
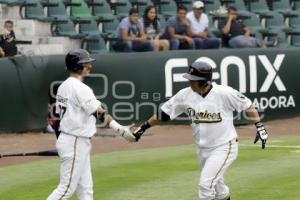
[132, 86]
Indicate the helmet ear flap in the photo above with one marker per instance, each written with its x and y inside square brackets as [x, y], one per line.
[72, 63]
[77, 67]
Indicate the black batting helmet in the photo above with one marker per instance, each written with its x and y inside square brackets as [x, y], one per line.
[75, 58]
[199, 71]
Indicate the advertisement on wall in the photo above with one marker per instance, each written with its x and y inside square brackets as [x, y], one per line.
[132, 86]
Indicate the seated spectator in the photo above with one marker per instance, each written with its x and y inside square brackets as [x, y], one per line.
[199, 26]
[178, 31]
[8, 39]
[131, 35]
[153, 29]
[237, 34]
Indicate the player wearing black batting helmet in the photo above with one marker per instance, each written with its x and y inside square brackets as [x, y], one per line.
[78, 110]
[75, 58]
[200, 71]
[210, 108]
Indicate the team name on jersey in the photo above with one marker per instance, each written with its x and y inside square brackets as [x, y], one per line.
[203, 117]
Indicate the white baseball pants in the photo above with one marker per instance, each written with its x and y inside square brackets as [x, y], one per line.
[214, 162]
[75, 168]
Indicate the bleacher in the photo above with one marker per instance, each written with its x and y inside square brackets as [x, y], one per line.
[55, 26]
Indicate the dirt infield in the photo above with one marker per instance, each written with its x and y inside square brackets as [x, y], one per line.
[159, 136]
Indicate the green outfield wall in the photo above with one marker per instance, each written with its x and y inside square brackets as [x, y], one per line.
[133, 85]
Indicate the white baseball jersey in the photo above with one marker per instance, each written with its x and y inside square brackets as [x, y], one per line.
[75, 103]
[211, 116]
[196, 25]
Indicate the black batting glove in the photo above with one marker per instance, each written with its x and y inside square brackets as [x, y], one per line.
[261, 134]
[141, 130]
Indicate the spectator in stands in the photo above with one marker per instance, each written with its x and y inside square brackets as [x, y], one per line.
[8, 39]
[236, 32]
[178, 31]
[199, 26]
[131, 35]
[153, 30]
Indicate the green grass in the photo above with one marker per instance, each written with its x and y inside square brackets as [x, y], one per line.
[167, 174]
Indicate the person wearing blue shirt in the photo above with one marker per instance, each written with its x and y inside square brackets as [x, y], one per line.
[178, 31]
[131, 35]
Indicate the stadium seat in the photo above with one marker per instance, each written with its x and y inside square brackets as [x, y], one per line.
[71, 3]
[215, 9]
[94, 44]
[142, 7]
[66, 30]
[187, 3]
[295, 40]
[12, 2]
[295, 21]
[102, 12]
[276, 29]
[89, 29]
[283, 7]
[210, 6]
[122, 8]
[255, 26]
[261, 8]
[136, 3]
[163, 22]
[33, 10]
[59, 12]
[109, 28]
[297, 5]
[276, 22]
[168, 10]
[212, 29]
[80, 13]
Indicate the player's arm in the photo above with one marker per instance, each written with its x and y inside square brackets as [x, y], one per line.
[123, 131]
[152, 121]
[239, 102]
[261, 133]
[126, 37]
[168, 111]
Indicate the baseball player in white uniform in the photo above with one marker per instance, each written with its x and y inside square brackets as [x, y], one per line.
[210, 108]
[78, 109]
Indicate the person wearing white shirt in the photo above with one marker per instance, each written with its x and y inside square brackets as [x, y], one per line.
[210, 109]
[78, 110]
[199, 26]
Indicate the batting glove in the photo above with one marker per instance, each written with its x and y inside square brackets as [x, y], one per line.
[123, 131]
[261, 134]
[127, 134]
[141, 130]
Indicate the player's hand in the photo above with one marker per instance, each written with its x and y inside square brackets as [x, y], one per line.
[125, 132]
[141, 130]
[138, 133]
[261, 134]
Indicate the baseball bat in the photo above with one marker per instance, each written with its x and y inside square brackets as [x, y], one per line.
[37, 153]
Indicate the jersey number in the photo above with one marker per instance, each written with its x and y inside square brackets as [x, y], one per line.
[63, 110]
